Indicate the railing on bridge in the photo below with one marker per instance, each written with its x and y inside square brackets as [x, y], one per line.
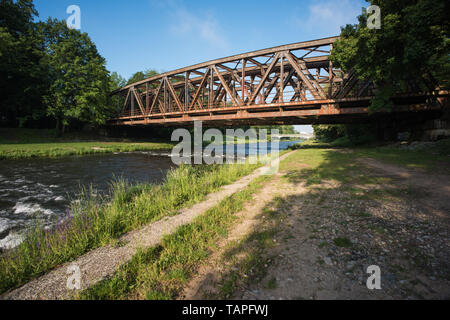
[296, 80]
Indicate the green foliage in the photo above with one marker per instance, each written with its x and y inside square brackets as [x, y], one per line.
[432, 158]
[117, 81]
[342, 242]
[20, 70]
[138, 76]
[345, 135]
[142, 75]
[151, 73]
[17, 16]
[79, 81]
[50, 72]
[411, 48]
[327, 133]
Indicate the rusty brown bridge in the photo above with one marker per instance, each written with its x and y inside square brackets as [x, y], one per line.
[289, 84]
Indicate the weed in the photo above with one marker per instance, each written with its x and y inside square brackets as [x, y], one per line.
[342, 242]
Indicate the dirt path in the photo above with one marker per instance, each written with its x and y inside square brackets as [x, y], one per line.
[330, 233]
[204, 283]
[103, 262]
[436, 187]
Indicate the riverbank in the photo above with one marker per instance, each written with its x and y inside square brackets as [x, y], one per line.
[29, 143]
[429, 156]
[308, 232]
[94, 222]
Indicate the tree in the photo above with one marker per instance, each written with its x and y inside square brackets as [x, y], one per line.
[79, 82]
[350, 134]
[411, 48]
[117, 81]
[288, 129]
[329, 133]
[21, 71]
[151, 73]
[142, 75]
[17, 16]
[138, 76]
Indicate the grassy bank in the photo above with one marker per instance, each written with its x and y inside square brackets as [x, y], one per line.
[161, 272]
[341, 210]
[29, 143]
[432, 157]
[94, 222]
[426, 156]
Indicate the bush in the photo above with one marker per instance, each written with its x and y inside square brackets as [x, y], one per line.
[345, 135]
[328, 133]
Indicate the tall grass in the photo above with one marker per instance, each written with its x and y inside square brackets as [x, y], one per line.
[161, 272]
[94, 222]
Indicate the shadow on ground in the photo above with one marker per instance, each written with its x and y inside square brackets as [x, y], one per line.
[318, 244]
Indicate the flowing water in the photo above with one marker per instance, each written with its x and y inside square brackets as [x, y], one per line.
[44, 188]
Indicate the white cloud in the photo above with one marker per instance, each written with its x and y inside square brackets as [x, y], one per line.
[327, 16]
[205, 26]
[202, 25]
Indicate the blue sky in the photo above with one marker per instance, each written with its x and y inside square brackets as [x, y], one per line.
[165, 35]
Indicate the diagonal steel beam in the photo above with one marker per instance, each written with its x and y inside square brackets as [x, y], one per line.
[174, 94]
[240, 80]
[217, 93]
[190, 85]
[126, 100]
[223, 91]
[293, 62]
[139, 100]
[156, 97]
[283, 85]
[272, 84]
[236, 99]
[264, 78]
[199, 89]
[298, 90]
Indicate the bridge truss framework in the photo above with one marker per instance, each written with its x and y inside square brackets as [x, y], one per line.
[289, 84]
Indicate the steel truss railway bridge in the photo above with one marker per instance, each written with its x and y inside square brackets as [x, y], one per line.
[289, 84]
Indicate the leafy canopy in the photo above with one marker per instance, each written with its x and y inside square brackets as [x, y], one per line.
[20, 54]
[411, 48]
[79, 81]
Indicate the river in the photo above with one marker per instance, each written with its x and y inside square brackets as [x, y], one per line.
[44, 187]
